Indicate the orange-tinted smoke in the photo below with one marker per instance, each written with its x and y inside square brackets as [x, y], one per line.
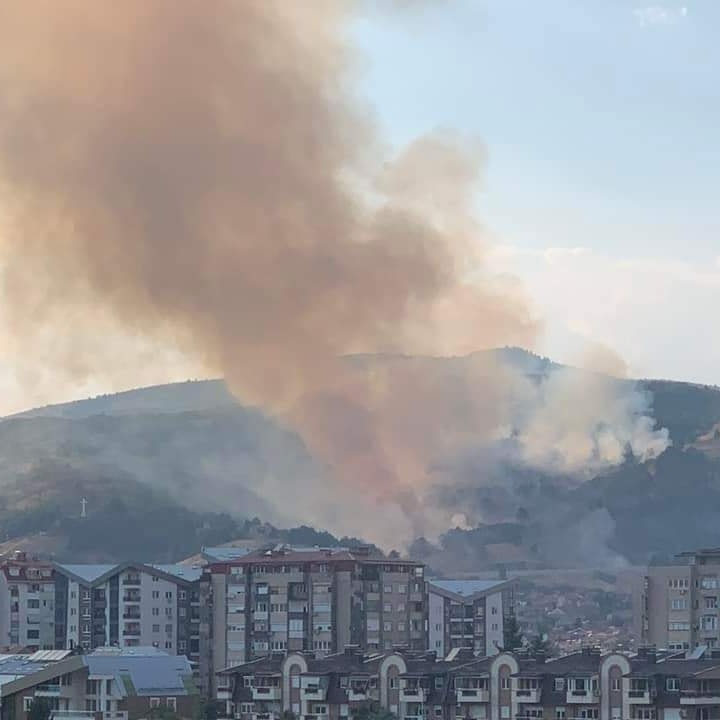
[202, 173]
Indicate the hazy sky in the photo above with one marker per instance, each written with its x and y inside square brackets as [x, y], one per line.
[601, 121]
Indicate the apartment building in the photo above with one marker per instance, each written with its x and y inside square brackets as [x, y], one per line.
[507, 686]
[307, 599]
[128, 605]
[27, 603]
[677, 605]
[107, 684]
[468, 614]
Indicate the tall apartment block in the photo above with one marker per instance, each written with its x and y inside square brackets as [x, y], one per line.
[468, 614]
[128, 605]
[27, 603]
[55, 606]
[677, 605]
[312, 600]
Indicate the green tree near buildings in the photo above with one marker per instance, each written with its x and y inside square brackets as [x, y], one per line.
[512, 635]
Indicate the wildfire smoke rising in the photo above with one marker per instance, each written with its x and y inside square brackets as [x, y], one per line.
[200, 174]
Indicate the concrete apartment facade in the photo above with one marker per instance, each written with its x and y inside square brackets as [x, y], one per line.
[677, 605]
[468, 614]
[307, 599]
[27, 603]
[128, 605]
[507, 686]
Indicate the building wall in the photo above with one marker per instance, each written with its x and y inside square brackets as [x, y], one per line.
[493, 623]
[665, 606]
[436, 623]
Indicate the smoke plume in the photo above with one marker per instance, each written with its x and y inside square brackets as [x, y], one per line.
[200, 174]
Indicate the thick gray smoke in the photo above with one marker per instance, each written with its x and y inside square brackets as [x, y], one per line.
[199, 174]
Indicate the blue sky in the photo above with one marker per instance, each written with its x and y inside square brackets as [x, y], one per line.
[601, 122]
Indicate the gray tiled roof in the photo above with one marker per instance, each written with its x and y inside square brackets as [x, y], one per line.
[143, 671]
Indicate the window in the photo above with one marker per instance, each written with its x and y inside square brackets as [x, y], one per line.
[439, 682]
[168, 628]
[387, 589]
[33, 634]
[709, 583]
[33, 604]
[182, 645]
[156, 611]
[559, 684]
[679, 603]
[387, 627]
[505, 683]
[156, 594]
[387, 607]
[155, 578]
[393, 683]
[438, 711]
[643, 713]
[168, 645]
[616, 684]
[672, 684]
[401, 607]
[154, 702]
[401, 627]
[494, 610]
[181, 612]
[73, 611]
[182, 594]
[679, 626]
[559, 713]
[168, 612]
[168, 597]
[494, 626]
[91, 705]
[588, 714]
[711, 603]
[678, 583]
[402, 589]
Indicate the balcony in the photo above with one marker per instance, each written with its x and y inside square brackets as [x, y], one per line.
[74, 714]
[131, 580]
[133, 597]
[128, 616]
[412, 694]
[357, 694]
[581, 696]
[528, 695]
[313, 693]
[700, 697]
[472, 695]
[131, 631]
[266, 693]
[47, 690]
[640, 697]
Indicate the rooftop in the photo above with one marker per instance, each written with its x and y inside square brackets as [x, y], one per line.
[143, 671]
[467, 588]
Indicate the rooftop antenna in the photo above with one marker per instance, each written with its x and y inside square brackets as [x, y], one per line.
[83, 512]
